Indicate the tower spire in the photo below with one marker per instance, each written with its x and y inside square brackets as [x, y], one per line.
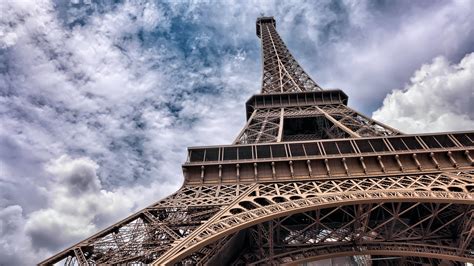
[281, 72]
[298, 109]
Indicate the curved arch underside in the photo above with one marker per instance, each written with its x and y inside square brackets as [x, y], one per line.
[318, 253]
[206, 223]
[437, 224]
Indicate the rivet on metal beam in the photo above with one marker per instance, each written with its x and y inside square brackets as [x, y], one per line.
[414, 156]
[379, 159]
[308, 162]
[361, 159]
[273, 170]
[397, 158]
[450, 155]
[202, 173]
[237, 169]
[328, 170]
[255, 171]
[433, 158]
[345, 167]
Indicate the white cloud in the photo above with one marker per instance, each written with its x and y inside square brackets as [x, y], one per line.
[98, 94]
[75, 200]
[78, 205]
[439, 97]
[13, 239]
[382, 50]
[78, 176]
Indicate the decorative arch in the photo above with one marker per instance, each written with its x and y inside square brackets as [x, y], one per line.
[228, 221]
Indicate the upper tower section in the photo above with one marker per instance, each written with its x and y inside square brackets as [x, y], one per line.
[281, 72]
[263, 20]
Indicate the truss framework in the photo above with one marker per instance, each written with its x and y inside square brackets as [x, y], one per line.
[196, 222]
[266, 124]
[308, 178]
[359, 230]
[281, 72]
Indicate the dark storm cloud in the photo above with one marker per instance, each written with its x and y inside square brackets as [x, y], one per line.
[47, 237]
[82, 180]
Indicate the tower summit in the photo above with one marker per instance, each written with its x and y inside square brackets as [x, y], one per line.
[307, 179]
[281, 72]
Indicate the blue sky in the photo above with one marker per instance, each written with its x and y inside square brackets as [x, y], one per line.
[100, 100]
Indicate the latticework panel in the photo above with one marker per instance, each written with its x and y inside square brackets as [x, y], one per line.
[442, 201]
[263, 127]
[198, 223]
[331, 121]
[396, 227]
[358, 123]
[281, 72]
[142, 237]
[303, 199]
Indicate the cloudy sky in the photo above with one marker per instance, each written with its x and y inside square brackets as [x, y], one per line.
[98, 102]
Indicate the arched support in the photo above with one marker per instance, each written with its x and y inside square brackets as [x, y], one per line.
[256, 214]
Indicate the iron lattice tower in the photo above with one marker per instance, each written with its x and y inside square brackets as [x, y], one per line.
[307, 178]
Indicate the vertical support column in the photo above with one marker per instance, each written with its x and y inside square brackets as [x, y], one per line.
[280, 128]
[466, 231]
[270, 238]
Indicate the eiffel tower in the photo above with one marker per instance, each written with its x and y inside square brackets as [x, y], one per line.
[308, 179]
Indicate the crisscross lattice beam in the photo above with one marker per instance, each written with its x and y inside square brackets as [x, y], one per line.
[307, 178]
[281, 72]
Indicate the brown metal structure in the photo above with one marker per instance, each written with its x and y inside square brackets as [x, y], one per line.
[307, 179]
